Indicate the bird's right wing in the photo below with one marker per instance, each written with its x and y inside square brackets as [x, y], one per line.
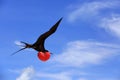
[41, 39]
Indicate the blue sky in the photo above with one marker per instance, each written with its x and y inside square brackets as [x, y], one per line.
[85, 46]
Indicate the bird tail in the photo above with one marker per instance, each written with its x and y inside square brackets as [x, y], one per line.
[26, 45]
[17, 51]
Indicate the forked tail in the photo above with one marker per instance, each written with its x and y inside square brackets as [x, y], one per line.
[26, 45]
[17, 51]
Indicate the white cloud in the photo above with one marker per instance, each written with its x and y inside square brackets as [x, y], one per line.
[55, 76]
[26, 74]
[30, 73]
[21, 45]
[81, 53]
[75, 55]
[112, 25]
[90, 9]
[94, 11]
[18, 43]
[61, 75]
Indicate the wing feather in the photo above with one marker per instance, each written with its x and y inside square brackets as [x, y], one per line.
[40, 41]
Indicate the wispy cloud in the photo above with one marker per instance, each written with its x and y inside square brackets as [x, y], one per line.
[81, 53]
[55, 76]
[77, 54]
[103, 13]
[90, 9]
[26, 74]
[18, 43]
[111, 24]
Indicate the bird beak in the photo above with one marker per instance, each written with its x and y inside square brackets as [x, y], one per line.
[17, 51]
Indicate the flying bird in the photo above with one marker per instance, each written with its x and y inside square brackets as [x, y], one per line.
[39, 44]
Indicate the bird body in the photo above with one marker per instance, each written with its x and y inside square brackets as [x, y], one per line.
[39, 44]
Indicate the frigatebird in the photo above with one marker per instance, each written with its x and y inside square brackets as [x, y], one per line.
[39, 44]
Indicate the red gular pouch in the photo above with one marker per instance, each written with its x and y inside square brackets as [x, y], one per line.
[44, 56]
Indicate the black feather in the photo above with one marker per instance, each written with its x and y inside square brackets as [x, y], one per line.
[39, 44]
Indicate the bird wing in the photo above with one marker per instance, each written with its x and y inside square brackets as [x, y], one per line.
[40, 41]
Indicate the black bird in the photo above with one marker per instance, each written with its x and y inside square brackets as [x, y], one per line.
[39, 44]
